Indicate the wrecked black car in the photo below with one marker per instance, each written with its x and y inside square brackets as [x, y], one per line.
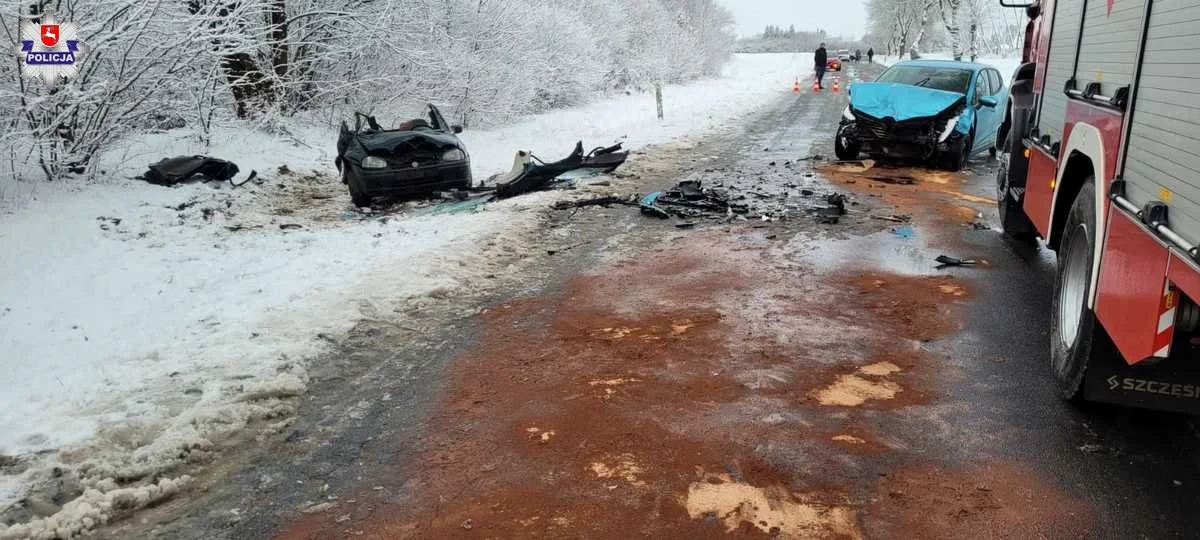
[417, 157]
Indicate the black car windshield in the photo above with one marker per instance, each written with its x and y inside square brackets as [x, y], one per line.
[940, 78]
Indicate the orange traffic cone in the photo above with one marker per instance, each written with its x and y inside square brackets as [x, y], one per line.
[796, 87]
[816, 87]
[836, 87]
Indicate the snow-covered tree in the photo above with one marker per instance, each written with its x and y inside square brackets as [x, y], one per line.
[162, 64]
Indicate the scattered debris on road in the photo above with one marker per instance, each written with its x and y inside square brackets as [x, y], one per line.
[607, 200]
[945, 261]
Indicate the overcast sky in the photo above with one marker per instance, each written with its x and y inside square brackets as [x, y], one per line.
[837, 17]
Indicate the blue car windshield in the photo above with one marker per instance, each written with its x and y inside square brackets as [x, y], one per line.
[940, 78]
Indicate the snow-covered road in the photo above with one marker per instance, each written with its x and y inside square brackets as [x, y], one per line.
[141, 323]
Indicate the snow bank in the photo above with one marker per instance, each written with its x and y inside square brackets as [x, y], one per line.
[141, 325]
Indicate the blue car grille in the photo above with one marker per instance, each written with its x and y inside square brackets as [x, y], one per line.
[917, 130]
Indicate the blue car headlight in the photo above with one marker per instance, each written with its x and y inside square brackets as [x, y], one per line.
[950, 125]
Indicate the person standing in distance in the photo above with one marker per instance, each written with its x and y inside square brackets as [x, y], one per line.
[871, 55]
[819, 59]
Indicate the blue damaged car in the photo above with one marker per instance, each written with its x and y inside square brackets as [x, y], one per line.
[926, 110]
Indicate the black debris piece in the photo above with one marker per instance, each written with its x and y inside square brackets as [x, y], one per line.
[172, 171]
[598, 201]
[290, 226]
[685, 225]
[837, 202]
[945, 260]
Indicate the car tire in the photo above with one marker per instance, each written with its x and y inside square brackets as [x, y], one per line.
[358, 195]
[1076, 338]
[1013, 220]
[842, 147]
[955, 161]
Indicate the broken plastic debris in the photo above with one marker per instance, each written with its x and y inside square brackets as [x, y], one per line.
[945, 261]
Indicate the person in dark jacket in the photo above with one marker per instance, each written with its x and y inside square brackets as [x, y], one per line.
[870, 55]
[857, 55]
[819, 59]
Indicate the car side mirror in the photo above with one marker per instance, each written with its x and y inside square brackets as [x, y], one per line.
[456, 128]
[989, 101]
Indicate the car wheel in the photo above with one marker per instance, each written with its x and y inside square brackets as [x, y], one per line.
[955, 161]
[842, 147]
[1075, 338]
[358, 196]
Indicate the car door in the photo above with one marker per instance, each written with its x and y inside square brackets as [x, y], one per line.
[985, 130]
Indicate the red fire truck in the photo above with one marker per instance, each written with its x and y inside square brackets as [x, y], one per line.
[1102, 161]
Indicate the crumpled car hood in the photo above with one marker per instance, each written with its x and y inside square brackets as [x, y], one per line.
[389, 142]
[901, 101]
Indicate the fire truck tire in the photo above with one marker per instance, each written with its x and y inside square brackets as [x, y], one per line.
[1013, 221]
[1075, 336]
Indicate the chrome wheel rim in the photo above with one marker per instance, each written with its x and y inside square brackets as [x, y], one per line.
[1074, 286]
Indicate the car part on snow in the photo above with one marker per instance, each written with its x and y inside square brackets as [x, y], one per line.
[417, 158]
[529, 173]
[171, 171]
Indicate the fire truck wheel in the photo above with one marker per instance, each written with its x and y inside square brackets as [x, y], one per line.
[1073, 328]
[1013, 221]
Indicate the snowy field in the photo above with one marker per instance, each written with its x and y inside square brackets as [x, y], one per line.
[140, 324]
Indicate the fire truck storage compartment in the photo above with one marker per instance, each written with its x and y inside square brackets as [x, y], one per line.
[1162, 160]
[1105, 53]
[1063, 43]
[1109, 48]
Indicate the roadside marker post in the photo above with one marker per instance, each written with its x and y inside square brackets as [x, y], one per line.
[796, 87]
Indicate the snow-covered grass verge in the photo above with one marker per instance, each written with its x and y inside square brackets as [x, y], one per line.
[140, 326]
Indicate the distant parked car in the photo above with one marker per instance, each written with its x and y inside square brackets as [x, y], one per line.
[924, 109]
[833, 64]
[844, 55]
[418, 157]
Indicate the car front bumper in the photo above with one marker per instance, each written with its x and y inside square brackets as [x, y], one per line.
[912, 141]
[397, 182]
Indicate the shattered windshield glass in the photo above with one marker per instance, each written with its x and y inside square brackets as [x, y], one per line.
[939, 78]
